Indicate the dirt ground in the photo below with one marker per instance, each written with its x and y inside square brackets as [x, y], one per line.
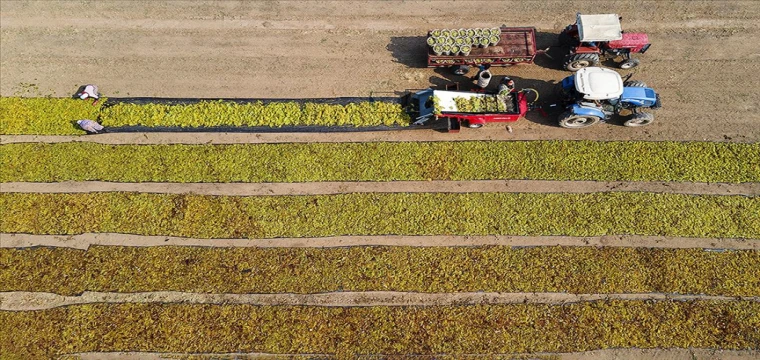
[704, 61]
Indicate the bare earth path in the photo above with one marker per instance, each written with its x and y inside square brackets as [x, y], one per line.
[84, 241]
[27, 301]
[705, 58]
[342, 187]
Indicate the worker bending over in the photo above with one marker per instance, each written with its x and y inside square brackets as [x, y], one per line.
[506, 86]
[504, 93]
[89, 91]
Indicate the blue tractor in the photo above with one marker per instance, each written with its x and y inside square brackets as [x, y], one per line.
[594, 95]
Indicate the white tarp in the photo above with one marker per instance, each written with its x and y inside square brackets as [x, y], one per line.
[446, 99]
[602, 27]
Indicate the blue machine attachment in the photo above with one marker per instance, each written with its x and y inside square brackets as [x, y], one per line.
[423, 102]
[639, 96]
[587, 111]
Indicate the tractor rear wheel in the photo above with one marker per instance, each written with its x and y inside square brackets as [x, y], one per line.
[568, 120]
[635, 83]
[580, 61]
[639, 119]
[629, 64]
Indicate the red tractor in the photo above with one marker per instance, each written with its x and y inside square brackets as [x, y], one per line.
[600, 36]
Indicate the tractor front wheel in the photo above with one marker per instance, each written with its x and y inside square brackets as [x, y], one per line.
[568, 120]
[629, 64]
[580, 61]
[640, 119]
[635, 83]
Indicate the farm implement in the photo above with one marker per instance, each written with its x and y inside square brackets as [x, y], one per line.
[471, 108]
[503, 46]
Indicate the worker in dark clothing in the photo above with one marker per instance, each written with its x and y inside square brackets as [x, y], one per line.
[504, 93]
[506, 86]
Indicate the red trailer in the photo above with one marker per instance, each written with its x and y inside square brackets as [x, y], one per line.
[454, 107]
[516, 45]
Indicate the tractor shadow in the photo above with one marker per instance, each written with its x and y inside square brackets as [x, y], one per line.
[409, 50]
[554, 56]
[412, 51]
[546, 90]
[610, 63]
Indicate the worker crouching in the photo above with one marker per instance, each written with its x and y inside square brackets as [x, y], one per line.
[505, 92]
[89, 92]
[91, 126]
[506, 86]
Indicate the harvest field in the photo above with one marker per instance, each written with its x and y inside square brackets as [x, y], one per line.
[539, 242]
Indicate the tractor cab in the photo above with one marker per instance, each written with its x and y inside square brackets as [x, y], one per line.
[605, 31]
[596, 84]
[598, 28]
[601, 35]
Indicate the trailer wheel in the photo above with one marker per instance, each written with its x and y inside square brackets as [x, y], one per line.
[568, 120]
[580, 61]
[635, 83]
[640, 119]
[474, 125]
[629, 64]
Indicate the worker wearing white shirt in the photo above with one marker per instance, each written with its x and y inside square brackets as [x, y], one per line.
[89, 91]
